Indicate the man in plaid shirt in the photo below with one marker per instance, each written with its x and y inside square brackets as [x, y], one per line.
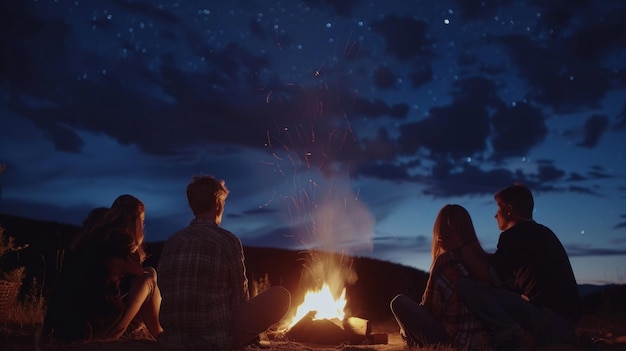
[203, 282]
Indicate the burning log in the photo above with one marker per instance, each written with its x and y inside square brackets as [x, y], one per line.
[378, 339]
[357, 326]
[317, 331]
[352, 330]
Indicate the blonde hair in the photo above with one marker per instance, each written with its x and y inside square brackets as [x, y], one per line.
[454, 229]
[452, 222]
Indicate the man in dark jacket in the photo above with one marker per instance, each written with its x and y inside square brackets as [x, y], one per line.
[535, 292]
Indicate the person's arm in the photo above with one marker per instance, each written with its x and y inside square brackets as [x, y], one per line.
[505, 260]
[493, 276]
[476, 261]
[239, 278]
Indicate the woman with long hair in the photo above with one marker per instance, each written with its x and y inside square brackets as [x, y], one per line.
[104, 292]
[440, 317]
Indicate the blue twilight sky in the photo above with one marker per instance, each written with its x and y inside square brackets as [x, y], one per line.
[337, 124]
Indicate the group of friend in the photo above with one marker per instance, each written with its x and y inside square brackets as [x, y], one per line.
[524, 293]
[201, 301]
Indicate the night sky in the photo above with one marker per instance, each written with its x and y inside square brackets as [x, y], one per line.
[337, 124]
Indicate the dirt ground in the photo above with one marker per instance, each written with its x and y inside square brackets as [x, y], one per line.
[595, 334]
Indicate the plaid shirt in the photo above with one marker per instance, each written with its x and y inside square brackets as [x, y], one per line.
[202, 276]
[441, 299]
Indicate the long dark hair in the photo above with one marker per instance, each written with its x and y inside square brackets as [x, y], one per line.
[122, 226]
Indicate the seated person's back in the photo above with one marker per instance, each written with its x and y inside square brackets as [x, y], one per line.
[201, 278]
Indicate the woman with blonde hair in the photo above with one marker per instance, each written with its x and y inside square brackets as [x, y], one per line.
[441, 317]
[104, 291]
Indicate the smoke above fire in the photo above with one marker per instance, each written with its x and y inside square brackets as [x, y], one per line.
[334, 227]
[308, 142]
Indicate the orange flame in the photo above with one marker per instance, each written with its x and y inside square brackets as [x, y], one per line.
[323, 302]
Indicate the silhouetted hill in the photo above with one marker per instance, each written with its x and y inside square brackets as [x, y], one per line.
[378, 281]
[588, 289]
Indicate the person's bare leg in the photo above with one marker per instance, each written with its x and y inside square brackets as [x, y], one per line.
[144, 302]
[149, 312]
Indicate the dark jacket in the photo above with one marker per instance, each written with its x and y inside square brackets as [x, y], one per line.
[532, 259]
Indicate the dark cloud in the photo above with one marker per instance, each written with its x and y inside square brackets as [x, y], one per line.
[382, 147]
[341, 7]
[64, 138]
[238, 62]
[384, 78]
[549, 173]
[406, 38]
[491, 69]
[161, 103]
[384, 171]
[556, 15]
[595, 126]
[598, 172]
[122, 117]
[146, 8]
[621, 119]
[257, 29]
[34, 50]
[582, 190]
[152, 101]
[449, 180]
[517, 129]
[581, 251]
[375, 108]
[576, 177]
[480, 9]
[556, 78]
[457, 130]
[398, 111]
[187, 115]
[479, 90]
[422, 73]
[596, 40]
